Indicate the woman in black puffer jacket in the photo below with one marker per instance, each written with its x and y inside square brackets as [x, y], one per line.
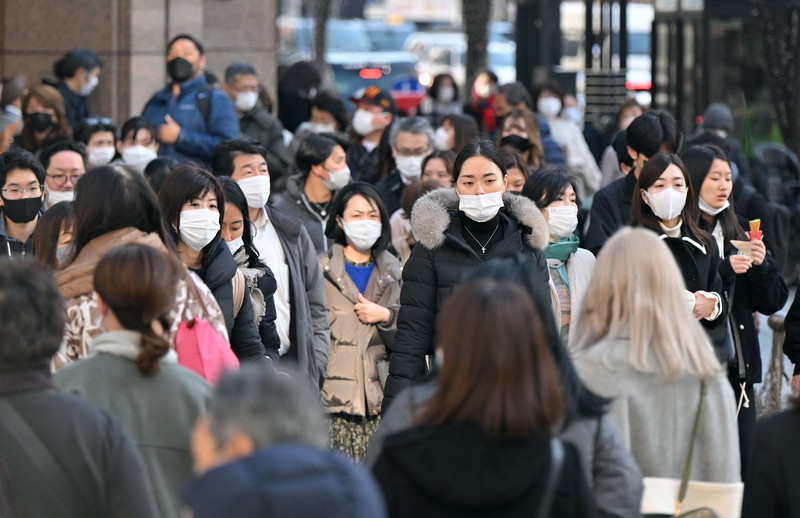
[458, 229]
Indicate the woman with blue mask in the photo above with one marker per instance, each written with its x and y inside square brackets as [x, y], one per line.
[362, 292]
[237, 232]
[456, 230]
[556, 195]
[665, 202]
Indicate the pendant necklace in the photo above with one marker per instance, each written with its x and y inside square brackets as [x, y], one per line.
[484, 245]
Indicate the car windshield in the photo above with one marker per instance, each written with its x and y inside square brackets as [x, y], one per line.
[341, 36]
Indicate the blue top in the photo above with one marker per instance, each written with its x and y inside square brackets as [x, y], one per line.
[198, 136]
[359, 274]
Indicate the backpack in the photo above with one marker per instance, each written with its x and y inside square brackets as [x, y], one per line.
[201, 348]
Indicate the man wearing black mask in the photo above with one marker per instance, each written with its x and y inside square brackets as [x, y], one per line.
[192, 116]
[21, 196]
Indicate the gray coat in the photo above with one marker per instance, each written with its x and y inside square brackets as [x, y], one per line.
[292, 202]
[309, 332]
[655, 415]
[610, 470]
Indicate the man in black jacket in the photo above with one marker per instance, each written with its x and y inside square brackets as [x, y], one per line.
[648, 134]
[59, 455]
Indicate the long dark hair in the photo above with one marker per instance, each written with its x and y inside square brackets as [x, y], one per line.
[48, 231]
[499, 377]
[139, 284]
[188, 182]
[579, 401]
[235, 197]
[110, 198]
[698, 160]
[642, 213]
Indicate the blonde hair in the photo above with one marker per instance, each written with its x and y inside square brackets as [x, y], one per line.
[637, 292]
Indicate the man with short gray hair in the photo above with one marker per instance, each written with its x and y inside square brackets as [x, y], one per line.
[411, 140]
[261, 451]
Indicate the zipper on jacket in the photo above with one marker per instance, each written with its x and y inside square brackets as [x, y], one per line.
[322, 221]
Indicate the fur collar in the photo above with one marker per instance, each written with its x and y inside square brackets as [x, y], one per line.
[431, 217]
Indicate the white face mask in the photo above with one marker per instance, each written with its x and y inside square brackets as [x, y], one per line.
[481, 207]
[483, 90]
[362, 234]
[338, 179]
[410, 167]
[14, 111]
[549, 106]
[666, 204]
[101, 155]
[246, 101]
[61, 254]
[235, 244]
[198, 227]
[321, 127]
[562, 221]
[446, 94]
[88, 86]
[54, 197]
[574, 114]
[256, 189]
[440, 139]
[363, 122]
[138, 156]
[711, 211]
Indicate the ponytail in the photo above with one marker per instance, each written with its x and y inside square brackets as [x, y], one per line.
[154, 347]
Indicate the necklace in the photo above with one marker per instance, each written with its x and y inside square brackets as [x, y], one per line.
[321, 208]
[483, 246]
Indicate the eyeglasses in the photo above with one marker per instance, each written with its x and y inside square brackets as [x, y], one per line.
[60, 180]
[94, 121]
[411, 152]
[16, 193]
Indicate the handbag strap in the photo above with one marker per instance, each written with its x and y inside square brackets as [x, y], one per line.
[698, 419]
[556, 466]
[55, 479]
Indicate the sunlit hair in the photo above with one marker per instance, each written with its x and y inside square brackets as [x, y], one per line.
[536, 152]
[496, 371]
[637, 292]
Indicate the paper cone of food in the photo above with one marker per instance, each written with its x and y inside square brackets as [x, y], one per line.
[742, 246]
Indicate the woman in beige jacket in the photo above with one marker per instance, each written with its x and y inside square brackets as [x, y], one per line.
[362, 290]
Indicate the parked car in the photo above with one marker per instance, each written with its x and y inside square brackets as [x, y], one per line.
[353, 58]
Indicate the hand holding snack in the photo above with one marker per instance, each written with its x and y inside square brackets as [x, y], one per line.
[755, 230]
[758, 252]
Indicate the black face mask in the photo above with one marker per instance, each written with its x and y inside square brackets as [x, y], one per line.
[23, 210]
[179, 70]
[39, 121]
[521, 144]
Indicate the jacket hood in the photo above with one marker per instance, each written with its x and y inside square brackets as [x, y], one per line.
[294, 186]
[432, 214]
[459, 467]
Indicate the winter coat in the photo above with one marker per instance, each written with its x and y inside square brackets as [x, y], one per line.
[611, 210]
[82, 316]
[362, 163]
[217, 273]
[609, 468]
[309, 330]
[580, 266]
[553, 154]
[259, 125]
[761, 289]
[103, 474]
[287, 480]
[11, 248]
[580, 160]
[292, 201]
[199, 135]
[159, 426]
[770, 487]
[391, 190]
[352, 384]
[655, 415]
[454, 471]
[261, 285]
[439, 262]
[76, 106]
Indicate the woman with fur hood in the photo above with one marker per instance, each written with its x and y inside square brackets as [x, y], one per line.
[457, 230]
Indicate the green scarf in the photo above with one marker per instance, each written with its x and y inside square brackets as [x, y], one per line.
[561, 250]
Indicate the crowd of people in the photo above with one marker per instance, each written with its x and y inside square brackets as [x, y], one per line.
[485, 308]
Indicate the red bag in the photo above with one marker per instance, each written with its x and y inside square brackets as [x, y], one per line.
[202, 349]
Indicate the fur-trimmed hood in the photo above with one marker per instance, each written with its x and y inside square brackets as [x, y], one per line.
[431, 217]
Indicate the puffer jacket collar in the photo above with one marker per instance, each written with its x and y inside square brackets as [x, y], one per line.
[221, 268]
[433, 213]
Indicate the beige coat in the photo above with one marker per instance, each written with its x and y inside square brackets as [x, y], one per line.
[352, 384]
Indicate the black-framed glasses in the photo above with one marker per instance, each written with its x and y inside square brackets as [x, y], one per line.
[60, 180]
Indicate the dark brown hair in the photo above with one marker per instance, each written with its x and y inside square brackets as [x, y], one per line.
[139, 284]
[51, 98]
[496, 371]
[643, 215]
[536, 151]
[48, 231]
[465, 129]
